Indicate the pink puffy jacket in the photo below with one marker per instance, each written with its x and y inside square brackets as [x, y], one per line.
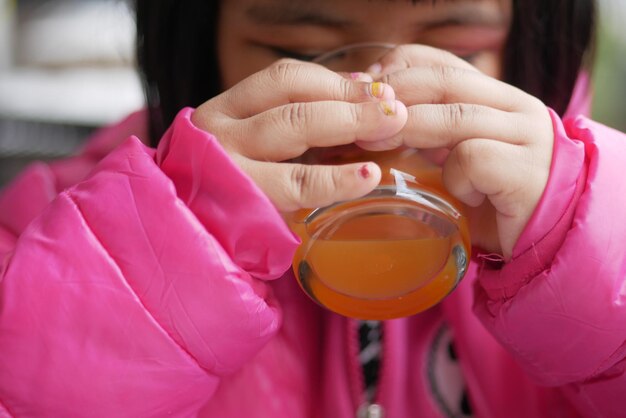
[141, 283]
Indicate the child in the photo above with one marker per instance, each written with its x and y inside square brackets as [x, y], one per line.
[139, 282]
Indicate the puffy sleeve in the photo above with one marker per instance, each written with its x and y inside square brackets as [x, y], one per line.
[132, 292]
[559, 306]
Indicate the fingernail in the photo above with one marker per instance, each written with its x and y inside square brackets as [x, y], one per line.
[364, 171]
[375, 68]
[388, 107]
[355, 76]
[376, 89]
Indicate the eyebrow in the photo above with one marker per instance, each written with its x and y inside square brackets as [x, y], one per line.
[465, 15]
[293, 13]
[299, 13]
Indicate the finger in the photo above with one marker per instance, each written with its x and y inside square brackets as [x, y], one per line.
[478, 168]
[445, 126]
[290, 81]
[288, 131]
[445, 85]
[356, 76]
[294, 186]
[511, 177]
[414, 55]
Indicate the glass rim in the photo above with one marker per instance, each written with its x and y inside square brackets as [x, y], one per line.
[358, 45]
[425, 200]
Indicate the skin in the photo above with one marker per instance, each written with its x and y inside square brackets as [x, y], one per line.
[441, 84]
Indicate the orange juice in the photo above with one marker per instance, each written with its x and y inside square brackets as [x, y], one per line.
[388, 254]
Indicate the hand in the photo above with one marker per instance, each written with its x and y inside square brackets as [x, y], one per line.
[282, 111]
[500, 139]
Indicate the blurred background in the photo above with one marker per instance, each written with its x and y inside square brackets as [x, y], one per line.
[67, 68]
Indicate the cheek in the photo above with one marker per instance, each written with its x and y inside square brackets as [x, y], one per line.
[232, 69]
[236, 58]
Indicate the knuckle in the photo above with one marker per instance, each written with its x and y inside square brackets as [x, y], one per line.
[466, 155]
[526, 131]
[521, 127]
[303, 181]
[299, 180]
[402, 54]
[474, 155]
[455, 115]
[229, 137]
[295, 115]
[446, 73]
[354, 116]
[345, 89]
[445, 76]
[284, 71]
[314, 186]
[335, 179]
[350, 120]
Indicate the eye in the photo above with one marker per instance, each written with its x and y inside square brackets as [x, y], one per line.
[286, 53]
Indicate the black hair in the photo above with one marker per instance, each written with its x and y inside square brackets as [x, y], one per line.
[550, 41]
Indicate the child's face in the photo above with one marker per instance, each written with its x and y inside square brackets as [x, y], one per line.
[254, 33]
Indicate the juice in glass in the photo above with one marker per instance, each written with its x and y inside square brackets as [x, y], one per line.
[395, 252]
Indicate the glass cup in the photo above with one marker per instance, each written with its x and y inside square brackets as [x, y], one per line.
[395, 252]
[354, 56]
